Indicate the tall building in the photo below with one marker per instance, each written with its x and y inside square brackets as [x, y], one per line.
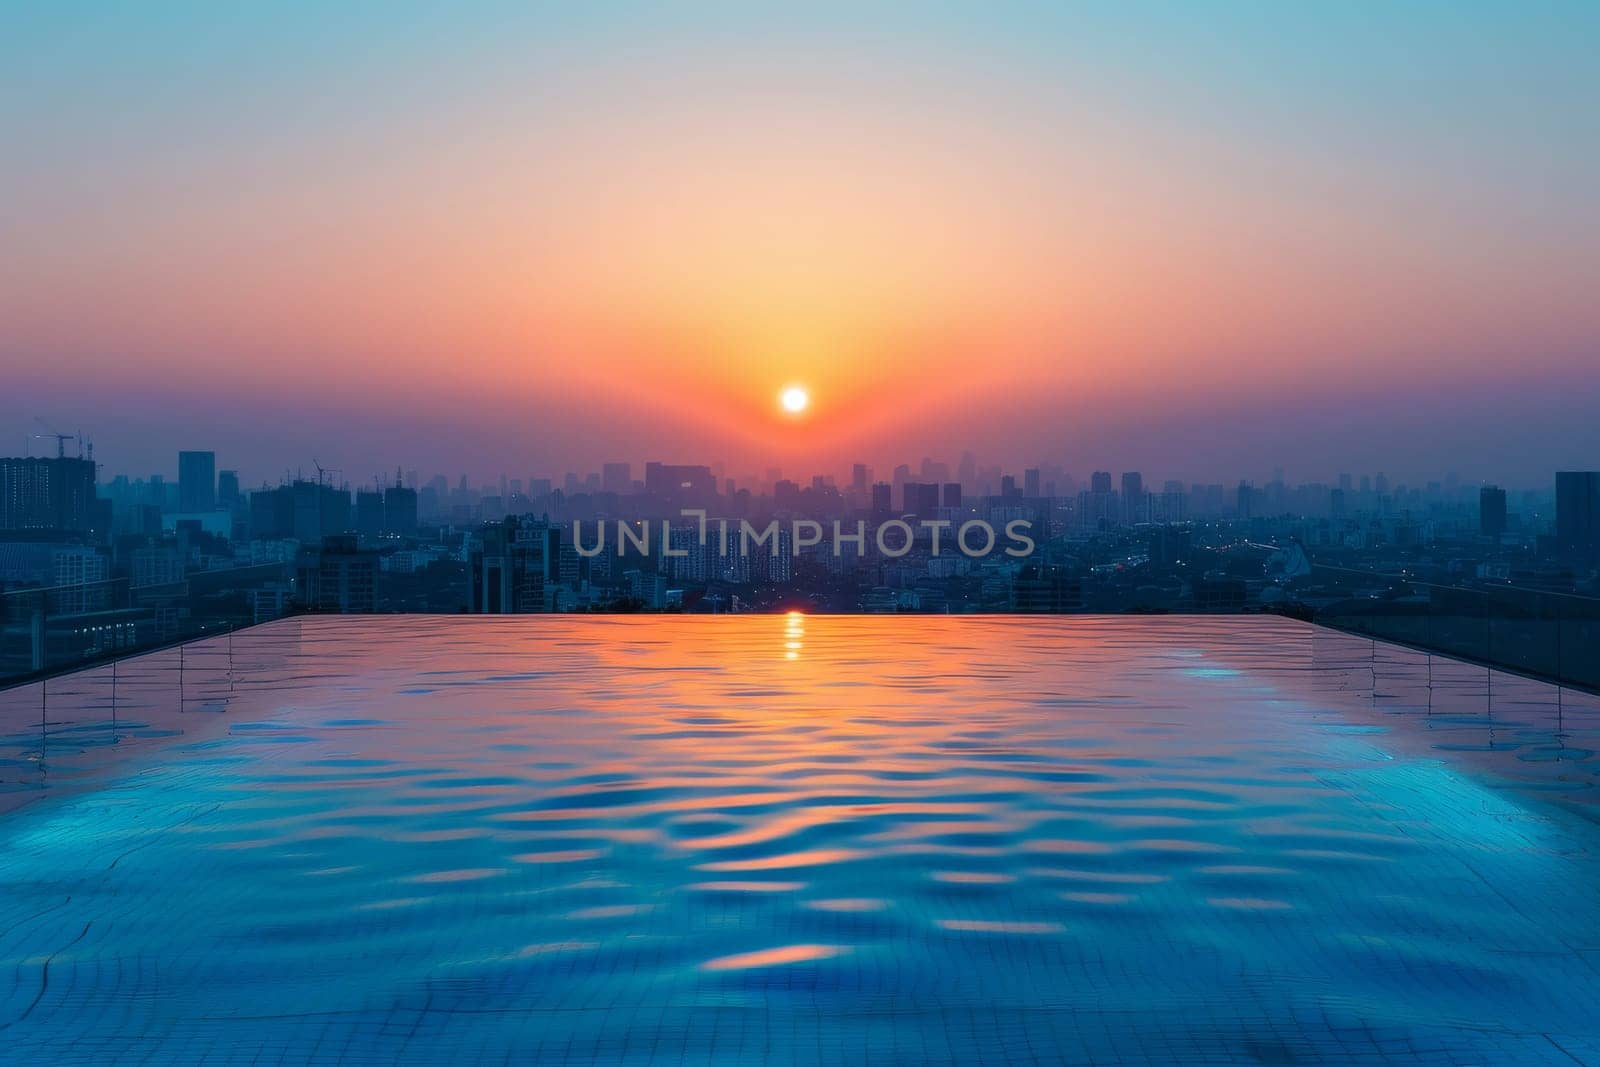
[400, 510]
[1578, 512]
[920, 499]
[340, 576]
[197, 481]
[1133, 509]
[685, 485]
[305, 511]
[511, 566]
[1491, 511]
[786, 495]
[967, 471]
[1030, 483]
[880, 498]
[860, 483]
[1174, 502]
[56, 494]
[952, 494]
[369, 512]
[228, 488]
[1095, 508]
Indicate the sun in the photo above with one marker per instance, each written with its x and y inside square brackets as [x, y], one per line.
[794, 400]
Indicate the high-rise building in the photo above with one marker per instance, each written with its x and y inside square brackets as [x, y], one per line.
[1030, 483]
[338, 576]
[1174, 501]
[512, 564]
[685, 485]
[881, 498]
[1095, 503]
[369, 512]
[1491, 511]
[967, 471]
[1578, 512]
[952, 494]
[400, 510]
[228, 488]
[57, 494]
[1133, 509]
[197, 481]
[305, 511]
[921, 499]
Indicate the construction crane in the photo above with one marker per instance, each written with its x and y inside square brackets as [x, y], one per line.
[323, 472]
[61, 439]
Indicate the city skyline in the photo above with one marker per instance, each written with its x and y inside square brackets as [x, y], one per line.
[973, 471]
[1085, 237]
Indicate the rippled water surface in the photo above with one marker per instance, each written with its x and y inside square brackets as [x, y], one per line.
[822, 839]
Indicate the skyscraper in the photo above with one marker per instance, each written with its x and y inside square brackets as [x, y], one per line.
[197, 481]
[921, 499]
[369, 512]
[48, 494]
[860, 478]
[1132, 497]
[1491, 511]
[400, 509]
[1578, 512]
[684, 485]
[880, 498]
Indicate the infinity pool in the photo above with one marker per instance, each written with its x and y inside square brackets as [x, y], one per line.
[797, 839]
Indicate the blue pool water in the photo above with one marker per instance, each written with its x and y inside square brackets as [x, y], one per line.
[801, 839]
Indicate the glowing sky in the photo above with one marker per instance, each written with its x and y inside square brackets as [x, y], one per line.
[1200, 239]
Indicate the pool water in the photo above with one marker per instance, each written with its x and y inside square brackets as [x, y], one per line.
[797, 839]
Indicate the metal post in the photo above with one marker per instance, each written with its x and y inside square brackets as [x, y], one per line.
[36, 633]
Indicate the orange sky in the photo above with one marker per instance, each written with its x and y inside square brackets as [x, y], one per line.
[664, 224]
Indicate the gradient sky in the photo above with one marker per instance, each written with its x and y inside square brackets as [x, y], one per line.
[1199, 240]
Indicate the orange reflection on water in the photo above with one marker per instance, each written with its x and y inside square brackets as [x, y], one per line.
[773, 957]
[976, 810]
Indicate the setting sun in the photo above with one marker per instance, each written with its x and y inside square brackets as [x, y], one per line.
[794, 400]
